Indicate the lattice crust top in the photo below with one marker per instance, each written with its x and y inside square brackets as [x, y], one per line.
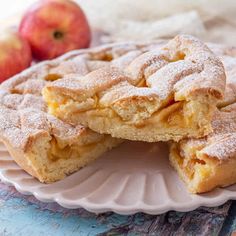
[184, 66]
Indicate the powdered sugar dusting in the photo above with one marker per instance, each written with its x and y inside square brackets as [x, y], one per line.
[22, 94]
[222, 149]
[161, 70]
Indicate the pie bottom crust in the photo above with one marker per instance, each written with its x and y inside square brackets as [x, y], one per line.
[37, 161]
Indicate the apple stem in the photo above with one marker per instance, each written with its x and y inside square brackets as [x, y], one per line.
[58, 35]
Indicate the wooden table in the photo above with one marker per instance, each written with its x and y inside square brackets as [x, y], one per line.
[24, 215]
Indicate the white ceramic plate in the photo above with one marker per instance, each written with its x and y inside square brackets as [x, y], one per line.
[135, 177]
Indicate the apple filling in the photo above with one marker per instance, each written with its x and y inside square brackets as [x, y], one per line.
[177, 118]
[51, 158]
[188, 162]
[191, 167]
[200, 172]
[102, 56]
[52, 77]
[64, 150]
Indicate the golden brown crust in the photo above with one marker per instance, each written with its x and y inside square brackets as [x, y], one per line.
[136, 87]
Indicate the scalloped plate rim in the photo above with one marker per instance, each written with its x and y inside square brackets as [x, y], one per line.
[223, 196]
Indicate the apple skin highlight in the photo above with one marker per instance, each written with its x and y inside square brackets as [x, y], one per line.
[15, 54]
[54, 27]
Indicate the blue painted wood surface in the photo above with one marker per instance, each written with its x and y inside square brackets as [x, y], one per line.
[24, 215]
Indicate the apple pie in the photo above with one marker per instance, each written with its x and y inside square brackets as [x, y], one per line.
[169, 92]
[210, 162]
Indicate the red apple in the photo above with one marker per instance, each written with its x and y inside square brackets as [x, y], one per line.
[15, 54]
[53, 27]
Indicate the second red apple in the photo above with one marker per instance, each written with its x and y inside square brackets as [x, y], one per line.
[53, 27]
[15, 54]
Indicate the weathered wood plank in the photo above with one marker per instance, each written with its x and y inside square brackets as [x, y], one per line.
[229, 226]
[25, 215]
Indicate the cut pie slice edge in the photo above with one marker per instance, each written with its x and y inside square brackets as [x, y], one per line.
[160, 94]
[210, 162]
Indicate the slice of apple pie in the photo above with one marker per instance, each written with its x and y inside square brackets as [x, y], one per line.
[210, 162]
[166, 93]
